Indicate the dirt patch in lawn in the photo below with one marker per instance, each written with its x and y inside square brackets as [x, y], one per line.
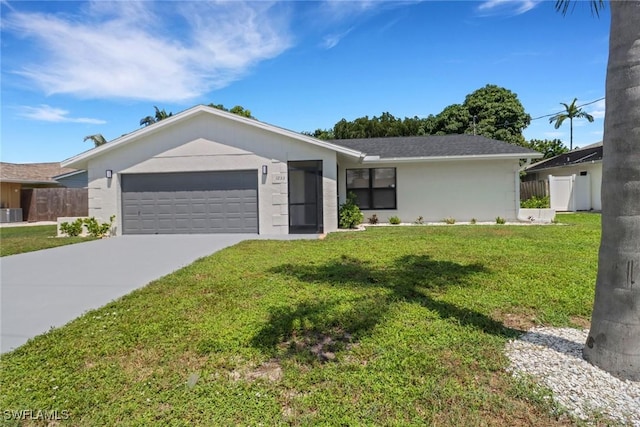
[580, 322]
[270, 371]
[322, 346]
[518, 321]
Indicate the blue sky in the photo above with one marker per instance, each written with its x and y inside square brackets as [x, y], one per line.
[72, 69]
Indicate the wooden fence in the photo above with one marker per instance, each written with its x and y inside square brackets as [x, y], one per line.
[528, 189]
[47, 204]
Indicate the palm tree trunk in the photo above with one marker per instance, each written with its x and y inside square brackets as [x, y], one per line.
[614, 339]
[570, 133]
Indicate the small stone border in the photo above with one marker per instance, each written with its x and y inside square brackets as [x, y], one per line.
[363, 227]
[553, 358]
[444, 224]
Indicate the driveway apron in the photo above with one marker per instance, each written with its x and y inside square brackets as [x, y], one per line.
[45, 289]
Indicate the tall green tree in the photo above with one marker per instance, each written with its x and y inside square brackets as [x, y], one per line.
[97, 139]
[238, 109]
[491, 111]
[454, 118]
[159, 115]
[613, 343]
[571, 111]
[548, 147]
[324, 134]
[496, 112]
[385, 125]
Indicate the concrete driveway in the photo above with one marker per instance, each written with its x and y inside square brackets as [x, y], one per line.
[48, 288]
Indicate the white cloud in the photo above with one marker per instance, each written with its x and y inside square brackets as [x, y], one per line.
[337, 10]
[332, 16]
[46, 113]
[553, 135]
[506, 7]
[597, 109]
[137, 50]
[331, 40]
[6, 3]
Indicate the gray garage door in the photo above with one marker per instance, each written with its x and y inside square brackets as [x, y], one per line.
[190, 202]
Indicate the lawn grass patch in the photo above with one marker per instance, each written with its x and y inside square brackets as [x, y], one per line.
[391, 326]
[17, 240]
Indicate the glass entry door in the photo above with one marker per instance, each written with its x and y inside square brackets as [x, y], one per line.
[305, 197]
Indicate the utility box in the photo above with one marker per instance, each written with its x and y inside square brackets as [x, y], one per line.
[11, 215]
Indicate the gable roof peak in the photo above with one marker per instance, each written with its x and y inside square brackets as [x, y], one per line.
[79, 161]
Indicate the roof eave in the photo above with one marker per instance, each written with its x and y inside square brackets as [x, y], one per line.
[28, 181]
[68, 174]
[508, 156]
[590, 162]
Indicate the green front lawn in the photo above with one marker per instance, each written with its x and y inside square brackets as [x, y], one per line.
[392, 326]
[17, 240]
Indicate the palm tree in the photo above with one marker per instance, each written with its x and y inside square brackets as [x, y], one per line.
[97, 139]
[146, 121]
[570, 112]
[160, 115]
[613, 343]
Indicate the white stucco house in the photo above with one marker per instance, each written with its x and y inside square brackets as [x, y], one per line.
[583, 166]
[206, 171]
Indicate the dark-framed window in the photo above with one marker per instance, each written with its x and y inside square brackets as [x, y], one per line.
[375, 188]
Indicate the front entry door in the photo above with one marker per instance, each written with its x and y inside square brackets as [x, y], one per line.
[305, 197]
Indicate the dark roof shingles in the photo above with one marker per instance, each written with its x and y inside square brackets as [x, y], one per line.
[432, 146]
[575, 157]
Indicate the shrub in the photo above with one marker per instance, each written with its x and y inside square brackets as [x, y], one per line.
[349, 214]
[395, 220]
[72, 229]
[419, 220]
[96, 229]
[500, 220]
[473, 221]
[373, 219]
[535, 203]
[449, 221]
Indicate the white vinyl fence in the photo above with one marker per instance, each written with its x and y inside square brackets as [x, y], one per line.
[570, 193]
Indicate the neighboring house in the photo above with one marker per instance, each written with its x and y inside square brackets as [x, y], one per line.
[15, 177]
[206, 171]
[74, 179]
[585, 163]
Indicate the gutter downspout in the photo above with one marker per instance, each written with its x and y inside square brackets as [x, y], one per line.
[517, 187]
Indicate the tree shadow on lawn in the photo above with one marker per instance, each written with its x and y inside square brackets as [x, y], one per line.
[313, 330]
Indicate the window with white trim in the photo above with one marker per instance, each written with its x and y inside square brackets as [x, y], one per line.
[375, 188]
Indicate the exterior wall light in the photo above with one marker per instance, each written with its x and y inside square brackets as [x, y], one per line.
[264, 169]
[109, 173]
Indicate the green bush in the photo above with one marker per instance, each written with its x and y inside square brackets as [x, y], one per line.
[349, 215]
[373, 219]
[449, 221]
[72, 229]
[473, 221]
[500, 220]
[395, 220]
[96, 229]
[535, 203]
[419, 220]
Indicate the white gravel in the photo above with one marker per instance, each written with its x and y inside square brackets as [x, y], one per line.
[553, 357]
